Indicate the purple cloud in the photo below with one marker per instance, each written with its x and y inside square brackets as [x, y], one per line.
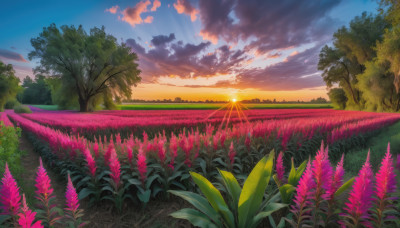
[11, 55]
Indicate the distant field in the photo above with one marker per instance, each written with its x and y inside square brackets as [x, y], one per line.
[199, 106]
[177, 106]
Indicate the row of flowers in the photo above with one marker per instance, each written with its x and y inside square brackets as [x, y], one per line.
[141, 169]
[16, 213]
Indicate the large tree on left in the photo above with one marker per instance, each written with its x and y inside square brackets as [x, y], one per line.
[94, 66]
[8, 84]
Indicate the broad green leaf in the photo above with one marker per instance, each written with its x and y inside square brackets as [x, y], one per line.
[232, 186]
[344, 187]
[300, 171]
[195, 217]
[286, 192]
[199, 203]
[271, 208]
[292, 175]
[214, 197]
[253, 190]
[144, 196]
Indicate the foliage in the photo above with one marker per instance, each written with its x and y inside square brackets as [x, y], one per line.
[9, 151]
[338, 98]
[22, 109]
[8, 84]
[93, 65]
[11, 104]
[247, 207]
[36, 91]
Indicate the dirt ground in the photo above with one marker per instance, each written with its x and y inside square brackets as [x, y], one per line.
[156, 214]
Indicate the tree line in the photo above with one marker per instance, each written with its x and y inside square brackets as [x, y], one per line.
[362, 66]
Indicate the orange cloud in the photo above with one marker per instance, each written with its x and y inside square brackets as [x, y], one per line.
[210, 37]
[113, 9]
[184, 7]
[294, 53]
[156, 4]
[132, 15]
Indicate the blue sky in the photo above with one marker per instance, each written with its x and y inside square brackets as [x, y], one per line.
[239, 47]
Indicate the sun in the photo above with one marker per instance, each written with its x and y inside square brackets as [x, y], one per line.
[234, 100]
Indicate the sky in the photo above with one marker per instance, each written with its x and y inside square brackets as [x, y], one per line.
[198, 49]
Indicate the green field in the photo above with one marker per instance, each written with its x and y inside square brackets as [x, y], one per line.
[199, 106]
[177, 106]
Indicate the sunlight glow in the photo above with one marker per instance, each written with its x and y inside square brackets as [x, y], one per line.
[233, 100]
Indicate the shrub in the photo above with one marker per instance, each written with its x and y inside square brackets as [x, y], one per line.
[11, 104]
[9, 152]
[22, 109]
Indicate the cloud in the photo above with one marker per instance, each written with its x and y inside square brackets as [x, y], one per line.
[162, 40]
[113, 9]
[156, 4]
[11, 55]
[185, 7]
[168, 57]
[266, 25]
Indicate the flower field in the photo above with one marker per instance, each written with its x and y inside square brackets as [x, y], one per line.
[162, 147]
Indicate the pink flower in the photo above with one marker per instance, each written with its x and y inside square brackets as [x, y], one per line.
[115, 168]
[96, 150]
[141, 164]
[130, 154]
[360, 198]
[232, 153]
[304, 194]
[43, 186]
[161, 151]
[280, 169]
[72, 202]
[91, 164]
[337, 179]
[9, 194]
[26, 217]
[173, 148]
[110, 150]
[322, 172]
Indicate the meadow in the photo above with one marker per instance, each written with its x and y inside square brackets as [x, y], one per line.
[129, 160]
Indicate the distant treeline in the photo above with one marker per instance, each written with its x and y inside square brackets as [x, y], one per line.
[319, 100]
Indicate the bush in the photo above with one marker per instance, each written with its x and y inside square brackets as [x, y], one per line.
[11, 104]
[9, 152]
[22, 109]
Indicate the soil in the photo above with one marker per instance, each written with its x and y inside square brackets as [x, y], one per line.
[155, 214]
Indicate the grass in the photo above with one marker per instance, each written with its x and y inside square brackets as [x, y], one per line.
[47, 107]
[355, 158]
[178, 106]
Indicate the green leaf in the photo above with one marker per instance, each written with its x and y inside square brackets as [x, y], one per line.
[232, 186]
[344, 187]
[292, 175]
[286, 192]
[199, 203]
[214, 197]
[253, 190]
[300, 170]
[84, 193]
[144, 196]
[197, 218]
[271, 208]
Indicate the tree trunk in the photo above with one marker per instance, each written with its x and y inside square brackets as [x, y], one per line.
[83, 105]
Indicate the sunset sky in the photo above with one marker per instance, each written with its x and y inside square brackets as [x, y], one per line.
[198, 49]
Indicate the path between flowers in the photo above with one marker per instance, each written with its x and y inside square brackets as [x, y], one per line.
[154, 215]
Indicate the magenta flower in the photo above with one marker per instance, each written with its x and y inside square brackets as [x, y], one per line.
[398, 162]
[115, 168]
[91, 164]
[280, 169]
[129, 152]
[232, 154]
[9, 194]
[107, 154]
[360, 198]
[43, 186]
[161, 151]
[72, 201]
[26, 217]
[173, 148]
[96, 150]
[304, 194]
[385, 185]
[141, 164]
[337, 179]
[322, 171]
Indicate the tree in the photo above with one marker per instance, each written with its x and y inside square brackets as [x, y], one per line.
[338, 98]
[8, 84]
[37, 91]
[178, 100]
[337, 68]
[93, 65]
